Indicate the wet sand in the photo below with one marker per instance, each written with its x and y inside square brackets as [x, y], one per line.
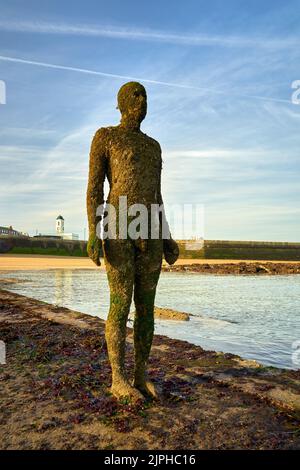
[54, 390]
[39, 262]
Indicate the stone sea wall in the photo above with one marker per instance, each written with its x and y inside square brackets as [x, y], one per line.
[218, 249]
[212, 249]
[42, 246]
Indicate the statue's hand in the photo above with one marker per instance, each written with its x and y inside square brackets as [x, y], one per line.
[171, 251]
[94, 249]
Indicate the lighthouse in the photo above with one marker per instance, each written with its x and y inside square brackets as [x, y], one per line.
[60, 230]
[60, 225]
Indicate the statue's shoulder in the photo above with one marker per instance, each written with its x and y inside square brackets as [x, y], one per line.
[104, 135]
[103, 132]
[154, 142]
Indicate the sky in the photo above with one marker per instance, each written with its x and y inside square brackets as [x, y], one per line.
[219, 81]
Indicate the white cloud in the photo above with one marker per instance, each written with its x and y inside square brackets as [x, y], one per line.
[136, 34]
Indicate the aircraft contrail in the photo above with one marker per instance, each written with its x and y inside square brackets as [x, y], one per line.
[145, 80]
[94, 72]
[192, 39]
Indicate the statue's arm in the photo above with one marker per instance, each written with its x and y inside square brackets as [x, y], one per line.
[170, 247]
[163, 220]
[95, 191]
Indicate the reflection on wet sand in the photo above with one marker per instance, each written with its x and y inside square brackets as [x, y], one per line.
[63, 285]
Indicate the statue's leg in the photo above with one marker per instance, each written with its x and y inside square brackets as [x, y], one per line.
[148, 266]
[119, 261]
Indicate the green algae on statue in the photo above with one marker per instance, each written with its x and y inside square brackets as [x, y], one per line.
[131, 161]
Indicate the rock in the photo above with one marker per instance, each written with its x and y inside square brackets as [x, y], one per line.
[167, 314]
[244, 268]
[262, 268]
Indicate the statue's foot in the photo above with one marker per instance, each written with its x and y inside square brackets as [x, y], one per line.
[148, 389]
[122, 389]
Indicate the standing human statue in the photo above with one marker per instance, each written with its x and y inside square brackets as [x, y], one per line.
[132, 163]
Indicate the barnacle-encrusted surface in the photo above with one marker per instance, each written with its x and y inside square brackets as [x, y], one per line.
[132, 163]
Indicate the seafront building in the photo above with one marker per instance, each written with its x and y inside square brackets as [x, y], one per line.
[59, 231]
[9, 231]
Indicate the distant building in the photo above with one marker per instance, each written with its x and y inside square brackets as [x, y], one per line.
[70, 236]
[60, 225]
[10, 232]
[60, 230]
[58, 235]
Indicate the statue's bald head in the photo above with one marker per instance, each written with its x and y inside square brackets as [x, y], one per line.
[132, 103]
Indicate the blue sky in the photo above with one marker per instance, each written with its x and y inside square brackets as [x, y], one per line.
[218, 76]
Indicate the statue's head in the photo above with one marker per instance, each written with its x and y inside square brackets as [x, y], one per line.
[132, 103]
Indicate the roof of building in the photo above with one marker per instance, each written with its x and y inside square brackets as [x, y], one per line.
[8, 228]
[60, 218]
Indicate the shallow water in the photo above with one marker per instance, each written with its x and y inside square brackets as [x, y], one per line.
[257, 317]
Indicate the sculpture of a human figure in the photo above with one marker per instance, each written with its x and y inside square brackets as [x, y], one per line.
[132, 163]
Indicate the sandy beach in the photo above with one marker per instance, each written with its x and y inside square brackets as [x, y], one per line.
[55, 390]
[37, 262]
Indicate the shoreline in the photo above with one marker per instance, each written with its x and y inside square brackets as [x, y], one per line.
[200, 266]
[240, 268]
[56, 384]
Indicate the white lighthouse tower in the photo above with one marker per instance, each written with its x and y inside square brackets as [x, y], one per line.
[60, 225]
